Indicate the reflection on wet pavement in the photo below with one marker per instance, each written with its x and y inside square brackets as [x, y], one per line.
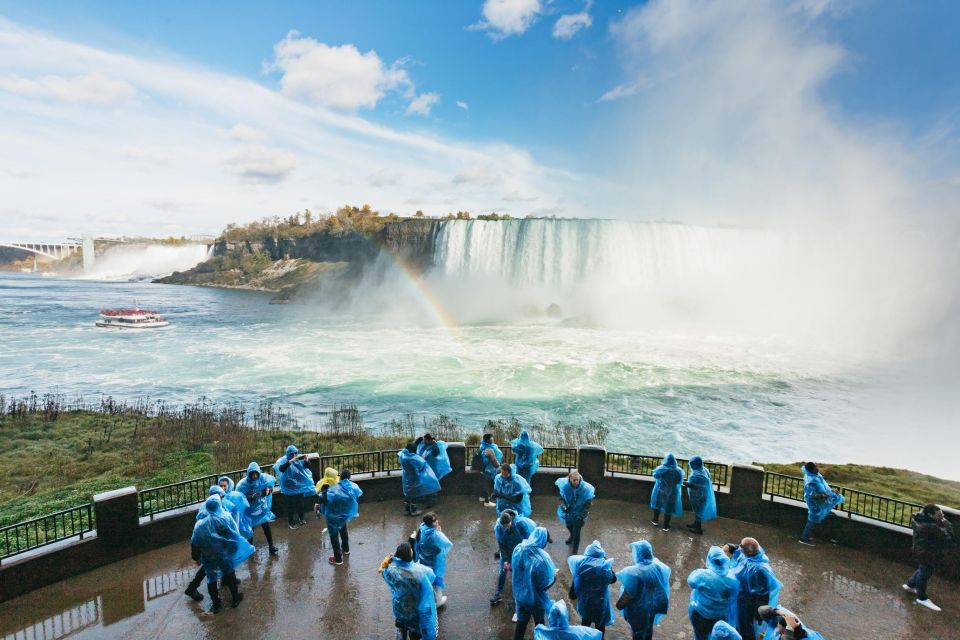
[844, 594]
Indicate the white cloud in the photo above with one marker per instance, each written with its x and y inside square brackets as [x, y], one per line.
[503, 18]
[463, 105]
[339, 77]
[422, 104]
[623, 90]
[244, 133]
[90, 88]
[259, 164]
[569, 25]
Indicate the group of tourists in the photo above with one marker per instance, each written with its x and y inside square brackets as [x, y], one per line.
[735, 594]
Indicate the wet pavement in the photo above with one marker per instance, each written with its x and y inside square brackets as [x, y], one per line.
[842, 593]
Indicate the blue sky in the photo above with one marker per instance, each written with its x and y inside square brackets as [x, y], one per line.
[527, 99]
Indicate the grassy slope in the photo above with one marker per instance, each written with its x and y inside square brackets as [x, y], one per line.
[884, 481]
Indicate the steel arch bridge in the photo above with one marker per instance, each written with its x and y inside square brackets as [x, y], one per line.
[55, 250]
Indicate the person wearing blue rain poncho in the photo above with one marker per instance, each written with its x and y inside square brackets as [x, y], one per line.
[714, 595]
[758, 586]
[296, 483]
[220, 548]
[419, 481]
[511, 529]
[723, 631]
[431, 547]
[435, 453]
[411, 587]
[820, 499]
[576, 496]
[238, 506]
[511, 491]
[666, 492]
[702, 499]
[592, 576]
[257, 488]
[644, 591]
[214, 491]
[338, 504]
[489, 458]
[533, 575]
[219, 493]
[558, 627]
[784, 625]
[526, 455]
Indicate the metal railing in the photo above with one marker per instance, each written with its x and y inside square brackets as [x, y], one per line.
[507, 451]
[39, 532]
[367, 462]
[168, 497]
[856, 502]
[551, 458]
[630, 464]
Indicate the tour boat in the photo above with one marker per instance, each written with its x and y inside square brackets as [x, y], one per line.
[135, 318]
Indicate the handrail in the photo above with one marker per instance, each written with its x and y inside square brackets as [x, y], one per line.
[44, 530]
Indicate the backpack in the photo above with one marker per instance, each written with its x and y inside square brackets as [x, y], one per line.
[476, 462]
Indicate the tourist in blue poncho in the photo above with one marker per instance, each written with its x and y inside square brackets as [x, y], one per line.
[592, 574]
[220, 548]
[644, 591]
[431, 547]
[219, 493]
[510, 530]
[820, 499]
[338, 504]
[257, 488]
[785, 625]
[238, 506]
[558, 627]
[666, 492]
[490, 458]
[576, 498]
[411, 588]
[296, 482]
[511, 491]
[723, 631]
[526, 455]
[702, 499]
[714, 595]
[419, 481]
[533, 575]
[758, 585]
[435, 453]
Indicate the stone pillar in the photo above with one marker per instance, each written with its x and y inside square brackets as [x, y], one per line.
[313, 463]
[456, 481]
[745, 501]
[118, 517]
[592, 464]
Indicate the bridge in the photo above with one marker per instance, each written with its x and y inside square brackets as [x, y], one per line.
[54, 250]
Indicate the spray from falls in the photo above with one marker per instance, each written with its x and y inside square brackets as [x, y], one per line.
[145, 261]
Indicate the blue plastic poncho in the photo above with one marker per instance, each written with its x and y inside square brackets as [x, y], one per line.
[811, 634]
[214, 492]
[724, 631]
[558, 626]
[490, 469]
[222, 548]
[648, 583]
[411, 585]
[436, 456]
[515, 485]
[508, 539]
[715, 588]
[418, 478]
[526, 455]
[818, 508]
[259, 504]
[592, 574]
[533, 571]
[666, 491]
[297, 480]
[237, 508]
[341, 505]
[700, 490]
[575, 499]
[756, 578]
[432, 549]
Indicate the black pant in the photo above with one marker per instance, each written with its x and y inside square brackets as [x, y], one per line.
[574, 528]
[524, 613]
[602, 628]
[702, 627]
[406, 633]
[484, 486]
[339, 541]
[267, 533]
[919, 580]
[666, 518]
[230, 582]
[197, 579]
[747, 614]
[294, 507]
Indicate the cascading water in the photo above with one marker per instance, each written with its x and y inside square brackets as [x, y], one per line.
[146, 261]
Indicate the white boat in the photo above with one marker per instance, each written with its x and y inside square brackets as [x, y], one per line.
[135, 318]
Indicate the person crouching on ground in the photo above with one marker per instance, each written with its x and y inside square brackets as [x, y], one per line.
[431, 547]
[558, 627]
[217, 544]
[419, 480]
[592, 575]
[820, 499]
[411, 588]
[666, 492]
[257, 488]
[932, 534]
[576, 498]
[338, 504]
[511, 491]
[296, 484]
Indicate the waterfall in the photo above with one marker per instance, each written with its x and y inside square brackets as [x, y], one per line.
[146, 261]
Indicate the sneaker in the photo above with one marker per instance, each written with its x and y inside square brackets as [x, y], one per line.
[302, 521]
[909, 589]
[496, 555]
[489, 504]
[496, 599]
[928, 604]
[294, 526]
[514, 618]
[346, 552]
[443, 601]
[666, 529]
[655, 523]
[809, 543]
[236, 603]
[693, 529]
[217, 607]
[196, 595]
[274, 551]
[332, 560]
